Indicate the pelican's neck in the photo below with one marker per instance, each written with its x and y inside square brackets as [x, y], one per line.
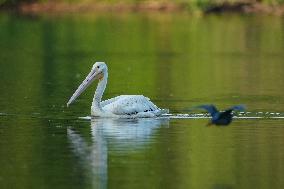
[96, 105]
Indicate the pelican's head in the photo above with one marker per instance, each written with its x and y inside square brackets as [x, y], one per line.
[98, 71]
[100, 68]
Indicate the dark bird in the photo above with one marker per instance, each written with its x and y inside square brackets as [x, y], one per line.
[221, 118]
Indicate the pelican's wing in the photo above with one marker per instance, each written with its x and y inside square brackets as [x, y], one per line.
[109, 101]
[130, 105]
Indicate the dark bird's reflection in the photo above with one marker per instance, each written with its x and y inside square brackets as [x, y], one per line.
[121, 134]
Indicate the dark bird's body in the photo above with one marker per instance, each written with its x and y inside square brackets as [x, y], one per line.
[221, 118]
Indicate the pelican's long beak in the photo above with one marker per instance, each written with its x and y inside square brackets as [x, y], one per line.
[89, 79]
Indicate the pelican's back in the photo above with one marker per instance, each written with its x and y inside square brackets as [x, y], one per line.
[130, 105]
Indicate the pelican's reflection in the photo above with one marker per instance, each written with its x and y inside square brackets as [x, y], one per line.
[120, 134]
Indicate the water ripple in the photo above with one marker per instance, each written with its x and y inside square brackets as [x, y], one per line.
[240, 115]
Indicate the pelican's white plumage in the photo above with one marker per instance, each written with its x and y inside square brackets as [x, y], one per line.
[120, 106]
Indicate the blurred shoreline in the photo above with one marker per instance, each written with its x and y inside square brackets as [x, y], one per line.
[240, 6]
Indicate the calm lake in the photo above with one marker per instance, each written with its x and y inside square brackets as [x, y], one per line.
[177, 60]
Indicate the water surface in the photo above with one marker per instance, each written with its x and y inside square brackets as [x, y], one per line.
[178, 61]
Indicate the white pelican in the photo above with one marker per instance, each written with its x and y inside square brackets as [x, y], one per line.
[120, 106]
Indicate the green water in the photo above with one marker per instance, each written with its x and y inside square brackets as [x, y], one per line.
[178, 61]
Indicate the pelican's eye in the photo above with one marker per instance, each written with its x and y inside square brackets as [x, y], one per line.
[98, 67]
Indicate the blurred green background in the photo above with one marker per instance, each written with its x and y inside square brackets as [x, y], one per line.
[191, 5]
